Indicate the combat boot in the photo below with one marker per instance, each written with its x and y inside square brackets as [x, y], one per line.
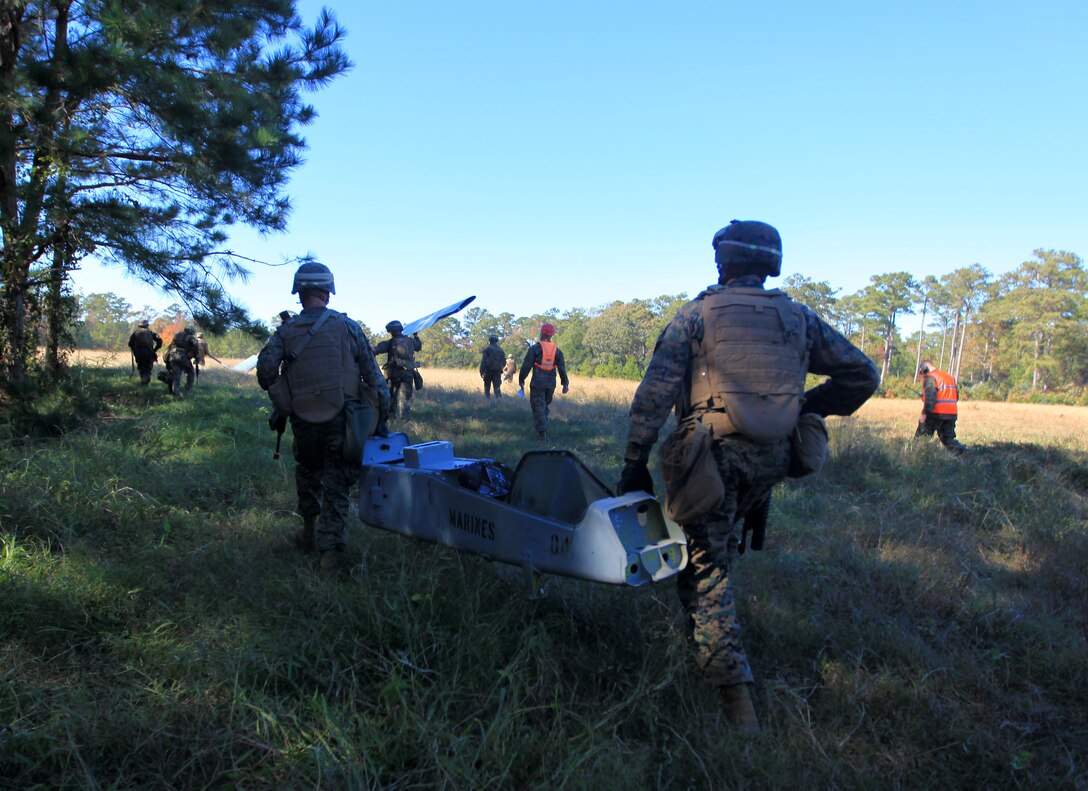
[304, 537]
[739, 709]
[329, 564]
[542, 436]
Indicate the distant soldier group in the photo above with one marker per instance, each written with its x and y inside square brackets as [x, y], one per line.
[184, 357]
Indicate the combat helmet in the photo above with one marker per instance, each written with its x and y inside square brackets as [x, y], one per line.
[313, 275]
[394, 327]
[492, 338]
[145, 323]
[748, 247]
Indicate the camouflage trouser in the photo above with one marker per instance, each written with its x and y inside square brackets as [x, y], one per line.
[945, 427]
[174, 369]
[145, 368]
[401, 392]
[705, 586]
[493, 379]
[323, 479]
[539, 398]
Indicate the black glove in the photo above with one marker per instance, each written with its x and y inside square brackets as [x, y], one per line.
[277, 422]
[635, 478]
[381, 430]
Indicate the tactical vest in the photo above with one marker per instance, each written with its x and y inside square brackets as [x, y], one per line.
[547, 356]
[947, 393]
[752, 361]
[143, 339]
[401, 352]
[325, 374]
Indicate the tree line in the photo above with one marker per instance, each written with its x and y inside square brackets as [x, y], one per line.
[140, 132]
[1023, 334]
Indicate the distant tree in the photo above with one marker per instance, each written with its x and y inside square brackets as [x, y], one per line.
[1045, 305]
[925, 289]
[140, 131]
[888, 297]
[967, 287]
[107, 321]
[818, 295]
[621, 334]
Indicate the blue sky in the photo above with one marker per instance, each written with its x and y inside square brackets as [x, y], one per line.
[568, 154]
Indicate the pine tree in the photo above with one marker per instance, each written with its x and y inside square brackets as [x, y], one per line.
[141, 130]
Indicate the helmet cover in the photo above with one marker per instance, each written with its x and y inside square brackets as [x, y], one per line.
[313, 276]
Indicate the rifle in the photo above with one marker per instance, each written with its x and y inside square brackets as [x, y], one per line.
[277, 421]
[755, 522]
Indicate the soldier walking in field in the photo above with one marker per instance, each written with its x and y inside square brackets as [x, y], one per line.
[145, 345]
[201, 352]
[510, 369]
[732, 364]
[940, 407]
[179, 360]
[319, 370]
[543, 360]
[491, 365]
[400, 368]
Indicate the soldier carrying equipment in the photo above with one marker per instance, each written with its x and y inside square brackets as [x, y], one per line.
[400, 368]
[733, 363]
[320, 373]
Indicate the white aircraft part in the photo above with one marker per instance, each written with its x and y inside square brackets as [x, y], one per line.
[563, 521]
[246, 365]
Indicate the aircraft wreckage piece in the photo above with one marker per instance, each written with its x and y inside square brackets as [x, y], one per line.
[551, 515]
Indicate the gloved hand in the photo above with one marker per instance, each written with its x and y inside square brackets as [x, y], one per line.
[521, 392]
[635, 478]
[381, 430]
[566, 389]
[277, 422]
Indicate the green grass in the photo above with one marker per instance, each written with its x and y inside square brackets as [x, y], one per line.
[916, 621]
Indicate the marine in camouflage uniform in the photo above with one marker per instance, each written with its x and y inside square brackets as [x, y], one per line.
[510, 369]
[323, 477]
[179, 360]
[543, 360]
[201, 351]
[491, 365]
[145, 344]
[746, 252]
[400, 368]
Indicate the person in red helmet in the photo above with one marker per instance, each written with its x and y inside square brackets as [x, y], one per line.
[543, 360]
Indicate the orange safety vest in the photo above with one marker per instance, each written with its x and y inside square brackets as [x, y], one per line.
[947, 393]
[547, 356]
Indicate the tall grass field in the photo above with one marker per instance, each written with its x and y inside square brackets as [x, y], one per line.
[915, 621]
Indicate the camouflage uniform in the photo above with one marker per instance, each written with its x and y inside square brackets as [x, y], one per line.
[542, 383]
[401, 379]
[201, 351]
[144, 344]
[491, 366]
[510, 369]
[748, 469]
[179, 360]
[323, 479]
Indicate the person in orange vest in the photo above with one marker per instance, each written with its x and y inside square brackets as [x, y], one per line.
[542, 360]
[939, 401]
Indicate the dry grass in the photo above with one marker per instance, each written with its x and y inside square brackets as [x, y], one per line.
[985, 422]
[980, 422]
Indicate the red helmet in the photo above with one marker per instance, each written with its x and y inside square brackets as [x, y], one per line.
[548, 330]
